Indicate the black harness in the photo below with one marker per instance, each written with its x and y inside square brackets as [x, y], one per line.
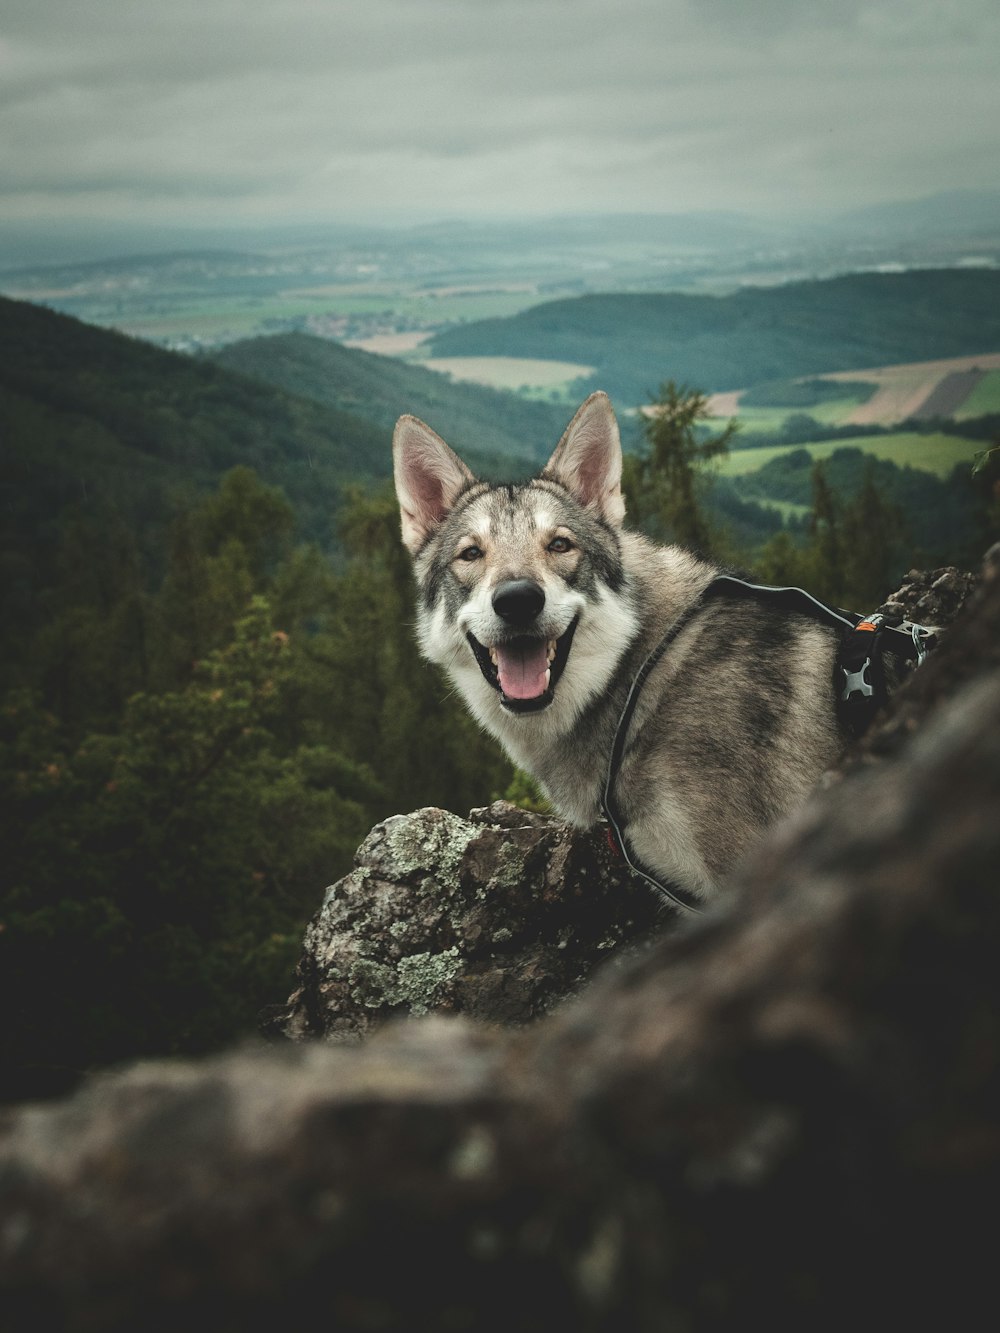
[859, 683]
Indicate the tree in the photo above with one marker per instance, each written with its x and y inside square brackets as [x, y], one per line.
[851, 551]
[221, 553]
[662, 484]
[196, 761]
[871, 531]
[160, 874]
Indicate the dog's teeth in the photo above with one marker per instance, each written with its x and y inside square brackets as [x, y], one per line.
[552, 650]
[548, 677]
[493, 656]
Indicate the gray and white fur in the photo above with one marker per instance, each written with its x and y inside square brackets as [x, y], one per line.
[541, 608]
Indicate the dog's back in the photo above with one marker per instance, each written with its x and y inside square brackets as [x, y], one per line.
[732, 729]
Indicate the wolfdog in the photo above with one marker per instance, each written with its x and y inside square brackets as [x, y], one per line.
[543, 610]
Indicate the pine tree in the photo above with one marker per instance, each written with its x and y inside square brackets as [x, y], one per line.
[662, 484]
[871, 532]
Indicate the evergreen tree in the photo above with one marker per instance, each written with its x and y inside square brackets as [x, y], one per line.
[156, 878]
[222, 552]
[851, 554]
[197, 761]
[662, 484]
[871, 535]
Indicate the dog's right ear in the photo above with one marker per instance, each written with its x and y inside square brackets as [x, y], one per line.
[429, 479]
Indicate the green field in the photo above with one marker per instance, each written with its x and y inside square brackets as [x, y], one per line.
[931, 453]
[223, 317]
[788, 509]
[770, 420]
[984, 398]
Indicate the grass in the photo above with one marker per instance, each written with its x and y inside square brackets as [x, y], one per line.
[984, 398]
[931, 453]
[771, 419]
[786, 508]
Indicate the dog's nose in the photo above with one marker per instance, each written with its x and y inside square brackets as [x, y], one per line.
[518, 601]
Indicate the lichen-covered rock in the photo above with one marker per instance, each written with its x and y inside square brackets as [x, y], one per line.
[496, 916]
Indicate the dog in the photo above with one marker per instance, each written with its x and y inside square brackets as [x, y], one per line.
[542, 609]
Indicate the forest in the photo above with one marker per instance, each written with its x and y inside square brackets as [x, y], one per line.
[753, 335]
[210, 685]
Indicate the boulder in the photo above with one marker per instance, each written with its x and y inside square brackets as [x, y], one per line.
[496, 916]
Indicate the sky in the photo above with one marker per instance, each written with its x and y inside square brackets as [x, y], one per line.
[227, 112]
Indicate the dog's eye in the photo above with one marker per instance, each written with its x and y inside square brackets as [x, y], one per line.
[470, 553]
[560, 545]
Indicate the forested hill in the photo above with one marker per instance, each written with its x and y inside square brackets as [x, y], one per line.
[86, 414]
[483, 423]
[201, 713]
[754, 335]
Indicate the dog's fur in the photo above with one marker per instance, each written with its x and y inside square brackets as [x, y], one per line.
[734, 725]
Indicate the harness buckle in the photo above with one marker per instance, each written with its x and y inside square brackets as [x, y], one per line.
[857, 682]
[922, 640]
[860, 664]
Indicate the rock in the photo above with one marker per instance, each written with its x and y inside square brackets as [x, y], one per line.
[970, 647]
[931, 597]
[497, 916]
[783, 1114]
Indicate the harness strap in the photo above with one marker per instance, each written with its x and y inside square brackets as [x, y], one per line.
[674, 895]
[859, 678]
[858, 696]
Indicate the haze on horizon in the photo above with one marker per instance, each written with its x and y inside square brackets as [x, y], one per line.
[229, 113]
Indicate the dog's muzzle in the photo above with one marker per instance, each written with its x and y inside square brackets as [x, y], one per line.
[523, 667]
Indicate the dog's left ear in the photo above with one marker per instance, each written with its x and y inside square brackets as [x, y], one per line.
[588, 459]
[429, 479]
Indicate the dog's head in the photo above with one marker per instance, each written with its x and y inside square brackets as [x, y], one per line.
[518, 582]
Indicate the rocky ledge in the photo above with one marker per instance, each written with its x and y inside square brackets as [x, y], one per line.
[781, 1115]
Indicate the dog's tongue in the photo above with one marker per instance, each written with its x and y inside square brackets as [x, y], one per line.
[523, 669]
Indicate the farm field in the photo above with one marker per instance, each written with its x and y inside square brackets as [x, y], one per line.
[903, 389]
[937, 453]
[362, 310]
[511, 372]
[771, 419]
[984, 398]
[401, 345]
[961, 387]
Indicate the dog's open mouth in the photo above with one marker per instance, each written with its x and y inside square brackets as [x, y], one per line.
[524, 671]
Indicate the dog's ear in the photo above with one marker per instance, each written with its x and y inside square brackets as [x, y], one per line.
[429, 479]
[588, 459]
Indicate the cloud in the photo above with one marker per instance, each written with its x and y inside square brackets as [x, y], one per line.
[204, 109]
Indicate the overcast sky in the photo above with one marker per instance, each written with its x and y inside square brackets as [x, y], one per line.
[210, 111]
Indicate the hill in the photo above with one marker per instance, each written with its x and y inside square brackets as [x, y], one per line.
[109, 438]
[755, 335]
[495, 427]
[201, 713]
[93, 415]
